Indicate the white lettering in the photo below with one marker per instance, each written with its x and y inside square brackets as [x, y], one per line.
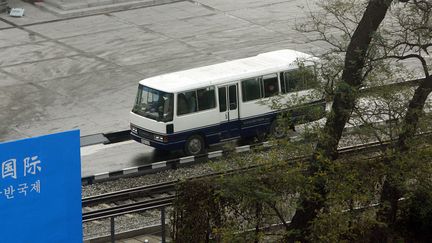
[31, 165]
[36, 186]
[23, 188]
[9, 168]
[9, 191]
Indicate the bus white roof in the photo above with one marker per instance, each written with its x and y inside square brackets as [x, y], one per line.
[227, 71]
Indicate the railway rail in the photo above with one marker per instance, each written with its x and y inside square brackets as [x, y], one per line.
[160, 196]
[152, 193]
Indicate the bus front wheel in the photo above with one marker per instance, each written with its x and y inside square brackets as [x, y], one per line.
[194, 145]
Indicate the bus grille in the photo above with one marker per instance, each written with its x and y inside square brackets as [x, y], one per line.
[144, 134]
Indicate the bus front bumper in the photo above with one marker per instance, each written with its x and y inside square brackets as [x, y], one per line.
[156, 144]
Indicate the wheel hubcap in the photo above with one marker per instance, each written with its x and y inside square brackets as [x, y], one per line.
[195, 146]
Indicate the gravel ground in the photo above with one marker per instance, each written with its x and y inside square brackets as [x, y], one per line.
[124, 223]
[129, 222]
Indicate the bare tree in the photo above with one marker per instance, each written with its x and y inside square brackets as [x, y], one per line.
[409, 39]
[345, 96]
[368, 39]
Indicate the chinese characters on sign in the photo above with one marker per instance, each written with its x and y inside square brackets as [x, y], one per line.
[9, 168]
[40, 186]
[13, 169]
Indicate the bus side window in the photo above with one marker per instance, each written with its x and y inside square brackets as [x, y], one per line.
[186, 102]
[182, 104]
[299, 79]
[206, 98]
[251, 89]
[270, 83]
[232, 94]
[311, 77]
[222, 99]
[192, 101]
[293, 81]
[282, 83]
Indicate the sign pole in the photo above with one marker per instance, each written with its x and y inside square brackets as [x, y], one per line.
[112, 230]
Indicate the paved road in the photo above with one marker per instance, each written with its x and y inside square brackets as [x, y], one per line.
[81, 73]
[61, 73]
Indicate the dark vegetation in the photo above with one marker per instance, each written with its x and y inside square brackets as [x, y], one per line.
[328, 198]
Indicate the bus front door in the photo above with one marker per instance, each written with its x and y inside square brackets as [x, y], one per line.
[228, 111]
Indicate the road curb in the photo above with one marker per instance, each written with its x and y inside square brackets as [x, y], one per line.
[167, 164]
[105, 138]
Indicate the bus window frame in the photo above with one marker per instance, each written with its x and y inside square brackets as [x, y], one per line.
[216, 101]
[267, 77]
[257, 78]
[283, 83]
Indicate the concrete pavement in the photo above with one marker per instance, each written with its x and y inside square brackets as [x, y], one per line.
[67, 8]
[61, 73]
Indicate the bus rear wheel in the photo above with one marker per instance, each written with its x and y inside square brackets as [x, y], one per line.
[194, 145]
[278, 129]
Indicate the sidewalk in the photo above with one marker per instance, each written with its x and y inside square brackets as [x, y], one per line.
[74, 8]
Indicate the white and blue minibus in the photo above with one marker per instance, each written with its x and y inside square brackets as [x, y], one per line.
[196, 108]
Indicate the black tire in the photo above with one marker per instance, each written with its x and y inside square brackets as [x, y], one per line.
[194, 145]
[262, 135]
[278, 129]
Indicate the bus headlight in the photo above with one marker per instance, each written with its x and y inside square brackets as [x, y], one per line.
[160, 138]
[134, 130]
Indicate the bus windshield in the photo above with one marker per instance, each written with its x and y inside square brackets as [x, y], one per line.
[154, 104]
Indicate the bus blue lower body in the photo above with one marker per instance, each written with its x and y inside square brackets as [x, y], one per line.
[241, 128]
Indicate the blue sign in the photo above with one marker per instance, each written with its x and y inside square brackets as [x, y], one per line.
[40, 189]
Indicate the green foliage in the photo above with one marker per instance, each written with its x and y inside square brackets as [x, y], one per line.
[226, 208]
[416, 217]
[197, 209]
[239, 208]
